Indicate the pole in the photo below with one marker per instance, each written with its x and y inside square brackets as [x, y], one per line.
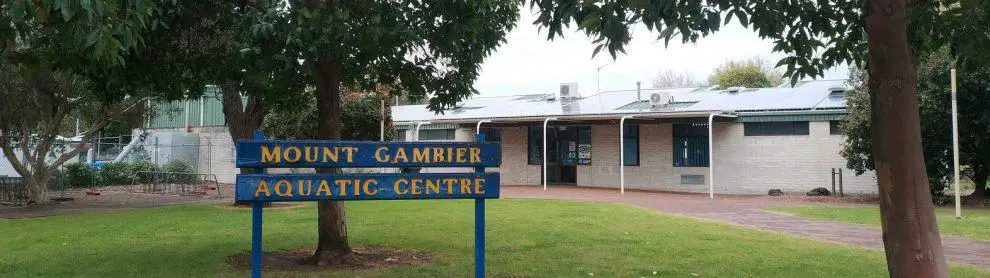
[545, 151]
[711, 157]
[256, 221]
[187, 115]
[419, 124]
[381, 125]
[202, 108]
[955, 144]
[639, 95]
[477, 130]
[479, 225]
[622, 154]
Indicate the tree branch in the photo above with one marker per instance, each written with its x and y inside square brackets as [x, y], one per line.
[8, 152]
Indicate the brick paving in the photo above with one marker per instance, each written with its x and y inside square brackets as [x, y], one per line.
[744, 210]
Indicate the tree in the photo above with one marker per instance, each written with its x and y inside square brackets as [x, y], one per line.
[673, 79]
[750, 73]
[414, 47]
[56, 60]
[935, 110]
[817, 36]
[361, 118]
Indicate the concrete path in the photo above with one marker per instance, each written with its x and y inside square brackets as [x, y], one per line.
[744, 210]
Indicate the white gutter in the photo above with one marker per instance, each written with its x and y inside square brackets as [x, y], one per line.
[477, 129]
[711, 152]
[606, 116]
[417, 129]
[622, 154]
[545, 150]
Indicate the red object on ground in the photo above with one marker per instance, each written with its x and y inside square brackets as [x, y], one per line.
[93, 193]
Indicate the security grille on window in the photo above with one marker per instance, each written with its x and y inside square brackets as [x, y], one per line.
[775, 128]
[584, 145]
[534, 149]
[492, 134]
[691, 145]
[630, 152]
[400, 135]
[436, 135]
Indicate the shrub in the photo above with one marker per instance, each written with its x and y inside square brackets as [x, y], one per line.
[177, 169]
[80, 175]
[137, 169]
[117, 173]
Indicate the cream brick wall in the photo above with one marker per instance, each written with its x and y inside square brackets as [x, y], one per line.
[743, 164]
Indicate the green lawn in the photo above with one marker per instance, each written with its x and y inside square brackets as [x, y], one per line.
[975, 222]
[531, 238]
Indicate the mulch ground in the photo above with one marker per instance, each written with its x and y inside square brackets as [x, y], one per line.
[110, 198]
[372, 258]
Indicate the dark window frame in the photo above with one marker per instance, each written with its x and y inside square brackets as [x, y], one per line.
[530, 156]
[428, 132]
[584, 135]
[626, 135]
[783, 128]
[835, 127]
[695, 137]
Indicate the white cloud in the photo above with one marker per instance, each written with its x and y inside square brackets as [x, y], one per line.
[528, 63]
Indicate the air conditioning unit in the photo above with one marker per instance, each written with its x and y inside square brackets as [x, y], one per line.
[569, 91]
[659, 99]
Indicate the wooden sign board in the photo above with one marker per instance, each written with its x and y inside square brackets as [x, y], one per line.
[319, 187]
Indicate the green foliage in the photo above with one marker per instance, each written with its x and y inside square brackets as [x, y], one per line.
[80, 175]
[973, 224]
[746, 76]
[360, 116]
[143, 169]
[934, 102]
[179, 171]
[117, 173]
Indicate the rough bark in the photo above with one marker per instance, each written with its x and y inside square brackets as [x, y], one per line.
[332, 246]
[910, 233]
[241, 120]
[980, 176]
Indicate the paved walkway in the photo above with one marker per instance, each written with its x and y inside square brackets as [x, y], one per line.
[744, 210]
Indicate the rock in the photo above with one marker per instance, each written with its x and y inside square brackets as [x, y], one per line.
[775, 192]
[820, 191]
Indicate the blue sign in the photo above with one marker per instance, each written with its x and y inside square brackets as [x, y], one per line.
[319, 187]
[307, 153]
[260, 188]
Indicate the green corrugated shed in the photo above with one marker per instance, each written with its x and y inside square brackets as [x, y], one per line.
[172, 114]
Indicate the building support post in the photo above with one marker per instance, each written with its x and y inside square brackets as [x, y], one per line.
[545, 151]
[711, 156]
[955, 145]
[622, 154]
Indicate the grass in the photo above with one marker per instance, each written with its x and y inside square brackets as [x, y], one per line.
[531, 238]
[974, 224]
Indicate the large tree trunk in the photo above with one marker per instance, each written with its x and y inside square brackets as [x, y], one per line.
[910, 233]
[332, 247]
[36, 184]
[241, 121]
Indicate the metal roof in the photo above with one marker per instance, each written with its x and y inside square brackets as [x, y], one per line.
[806, 95]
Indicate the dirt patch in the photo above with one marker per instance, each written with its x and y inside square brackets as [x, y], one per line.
[372, 258]
[110, 198]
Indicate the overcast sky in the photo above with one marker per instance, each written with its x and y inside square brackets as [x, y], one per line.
[527, 63]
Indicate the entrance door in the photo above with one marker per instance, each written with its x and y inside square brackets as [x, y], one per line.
[567, 138]
[553, 156]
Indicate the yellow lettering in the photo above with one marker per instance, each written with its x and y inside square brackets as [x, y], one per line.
[292, 158]
[262, 188]
[400, 153]
[311, 153]
[286, 190]
[437, 155]
[475, 155]
[308, 185]
[399, 190]
[324, 188]
[465, 186]
[331, 155]
[273, 155]
[350, 153]
[343, 186]
[421, 155]
[379, 154]
[368, 187]
[450, 185]
[479, 185]
[357, 187]
[435, 186]
[450, 154]
[460, 155]
[414, 186]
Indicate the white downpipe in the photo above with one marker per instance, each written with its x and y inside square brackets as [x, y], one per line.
[202, 108]
[477, 129]
[545, 151]
[622, 154]
[711, 156]
[419, 124]
[187, 115]
[955, 144]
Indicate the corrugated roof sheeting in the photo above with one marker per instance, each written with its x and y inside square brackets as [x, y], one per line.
[807, 95]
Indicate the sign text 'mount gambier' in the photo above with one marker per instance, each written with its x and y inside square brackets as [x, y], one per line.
[304, 153]
[315, 187]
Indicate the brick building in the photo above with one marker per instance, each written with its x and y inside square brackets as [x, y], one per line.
[784, 138]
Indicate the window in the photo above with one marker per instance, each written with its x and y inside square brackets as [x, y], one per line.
[584, 145]
[835, 127]
[534, 148]
[436, 135]
[400, 135]
[775, 128]
[492, 134]
[691, 145]
[630, 138]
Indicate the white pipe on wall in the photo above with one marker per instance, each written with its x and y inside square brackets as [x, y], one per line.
[711, 157]
[545, 151]
[955, 143]
[419, 124]
[187, 115]
[622, 154]
[202, 108]
[477, 129]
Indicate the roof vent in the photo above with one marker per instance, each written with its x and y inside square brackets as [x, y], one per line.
[733, 90]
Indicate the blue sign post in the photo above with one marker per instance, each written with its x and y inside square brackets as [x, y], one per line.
[259, 187]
